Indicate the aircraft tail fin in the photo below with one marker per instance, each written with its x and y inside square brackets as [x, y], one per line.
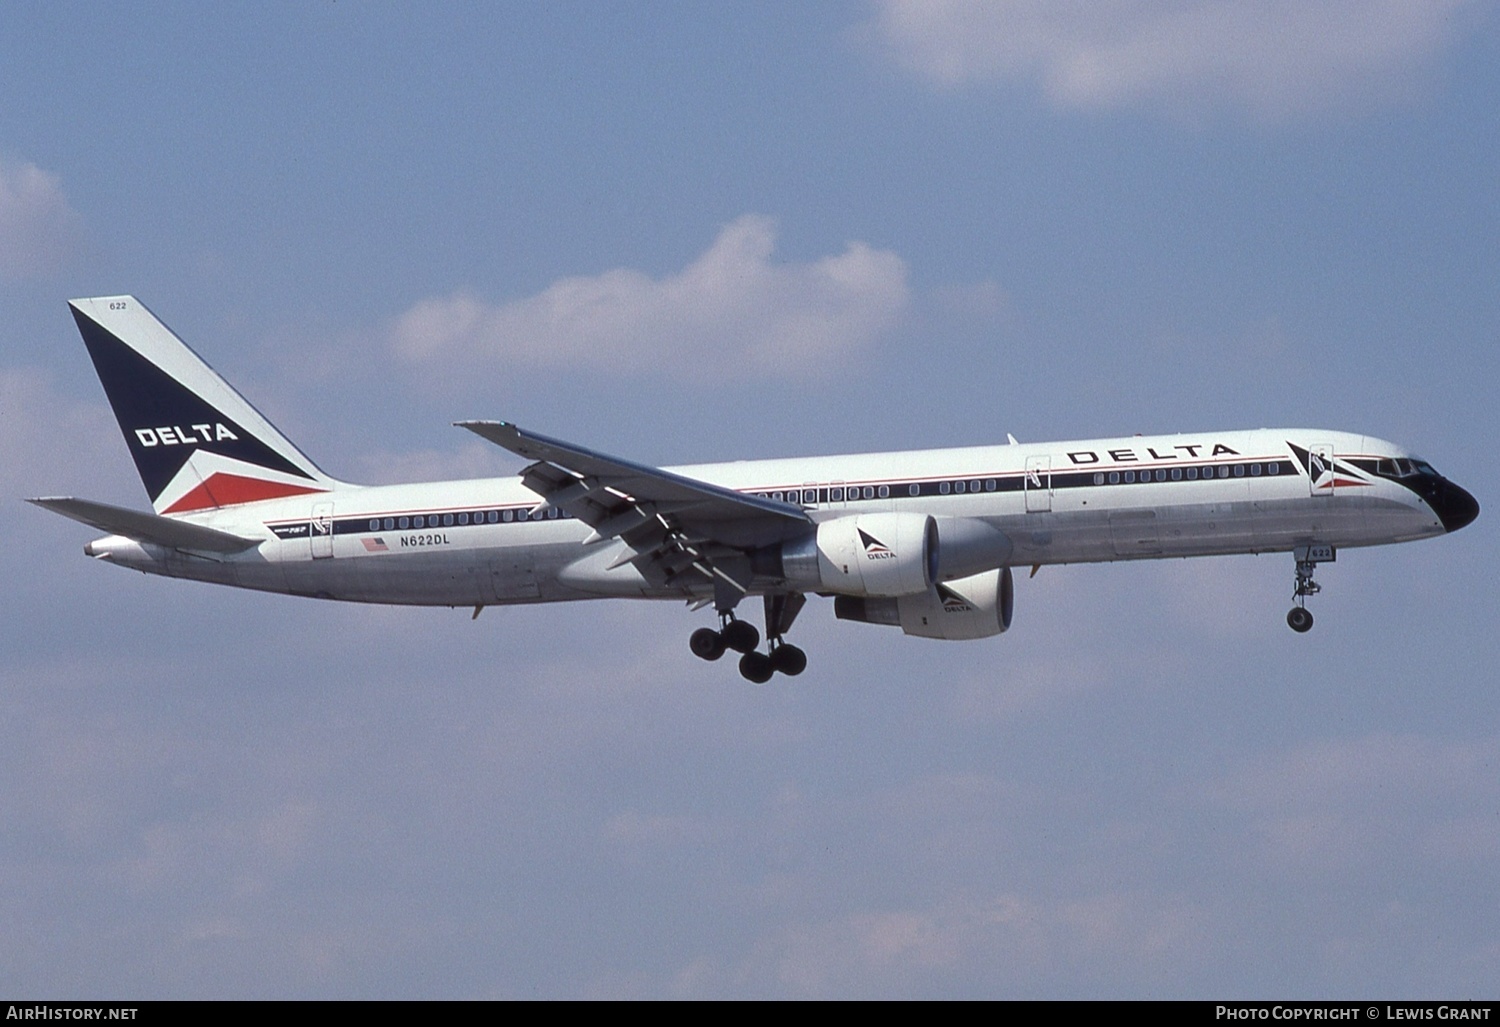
[197, 443]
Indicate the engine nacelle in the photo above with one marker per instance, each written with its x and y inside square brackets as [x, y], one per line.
[879, 554]
[885, 554]
[967, 546]
[974, 607]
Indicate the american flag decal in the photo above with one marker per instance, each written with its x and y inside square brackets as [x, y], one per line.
[375, 545]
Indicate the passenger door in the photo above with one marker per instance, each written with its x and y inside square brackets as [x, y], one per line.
[320, 530]
[1038, 484]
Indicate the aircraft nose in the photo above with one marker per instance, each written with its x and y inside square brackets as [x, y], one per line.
[1454, 506]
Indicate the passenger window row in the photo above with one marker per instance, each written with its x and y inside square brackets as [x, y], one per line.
[449, 520]
[853, 493]
[1041, 479]
[1254, 470]
[812, 496]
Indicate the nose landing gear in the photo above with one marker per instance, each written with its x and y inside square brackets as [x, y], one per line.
[1308, 558]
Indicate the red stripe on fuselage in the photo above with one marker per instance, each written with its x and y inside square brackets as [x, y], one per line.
[228, 489]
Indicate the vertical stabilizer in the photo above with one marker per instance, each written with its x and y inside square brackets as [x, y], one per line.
[197, 443]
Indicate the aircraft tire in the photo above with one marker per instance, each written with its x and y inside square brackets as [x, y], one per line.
[706, 644]
[1299, 620]
[756, 667]
[741, 636]
[789, 660]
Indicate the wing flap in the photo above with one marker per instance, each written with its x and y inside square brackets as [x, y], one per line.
[145, 527]
[629, 480]
[677, 531]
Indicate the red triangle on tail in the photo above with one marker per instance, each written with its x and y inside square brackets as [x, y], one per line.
[223, 489]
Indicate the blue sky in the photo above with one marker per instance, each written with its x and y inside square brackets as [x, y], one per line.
[686, 232]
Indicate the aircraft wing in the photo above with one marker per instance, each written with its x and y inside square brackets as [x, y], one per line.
[146, 527]
[672, 525]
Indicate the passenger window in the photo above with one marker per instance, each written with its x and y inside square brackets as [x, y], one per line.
[389, 524]
[463, 518]
[1130, 477]
[1273, 468]
[1177, 474]
[1098, 477]
[958, 487]
[447, 520]
[869, 491]
[944, 488]
[374, 523]
[1192, 474]
[1161, 475]
[885, 492]
[1114, 477]
[505, 515]
[989, 484]
[914, 490]
[403, 523]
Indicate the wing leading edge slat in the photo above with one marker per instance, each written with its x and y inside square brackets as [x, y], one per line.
[637, 481]
[673, 527]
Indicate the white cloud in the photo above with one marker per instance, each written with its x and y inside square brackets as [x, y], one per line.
[1270, 56]
[1332, 804]
[905, 950]
[734, 309]
[37, 227]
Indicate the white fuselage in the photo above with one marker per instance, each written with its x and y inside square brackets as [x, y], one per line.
[472, 543]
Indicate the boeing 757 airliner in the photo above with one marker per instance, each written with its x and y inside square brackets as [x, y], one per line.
[924, 541]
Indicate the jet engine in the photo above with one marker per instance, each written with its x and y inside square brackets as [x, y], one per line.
[878, 554]
[974, 607]
[885, 554]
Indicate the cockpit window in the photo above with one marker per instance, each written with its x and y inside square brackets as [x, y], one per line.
[1399, 467]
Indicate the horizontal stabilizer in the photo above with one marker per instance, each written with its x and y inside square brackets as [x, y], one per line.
[145, 527]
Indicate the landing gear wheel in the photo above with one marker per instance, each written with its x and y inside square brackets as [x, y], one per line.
[740, 636]
[1299, 620]
[756, 667]
[789, 660]
[706, 644]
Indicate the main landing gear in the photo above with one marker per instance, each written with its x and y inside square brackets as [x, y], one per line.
[1308, 558]
[741, 636]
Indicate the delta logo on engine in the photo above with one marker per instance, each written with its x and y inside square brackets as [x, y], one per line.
[874, 548]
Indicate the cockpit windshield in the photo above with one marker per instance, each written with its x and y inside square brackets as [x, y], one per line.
[1403, 467]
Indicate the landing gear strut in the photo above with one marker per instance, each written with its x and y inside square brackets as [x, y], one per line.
[741, 636]
[1308, 558]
